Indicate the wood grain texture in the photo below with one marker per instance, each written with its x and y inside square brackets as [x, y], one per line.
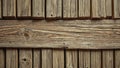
[71, 59]
[47, 58]
[38, 9]
[96, 59]
[84, 59]
[109, 8]
[98, 9]
[116, 8]
[9, 8]
[84, 8]
[2, 58]
[54, 8]
[25, 58]
[117, 58]
[58, 58]
[107, 61]
[70, 9]
[0, 9]
[11, 58]
[23, 8]
[37, 58]
[81, 34]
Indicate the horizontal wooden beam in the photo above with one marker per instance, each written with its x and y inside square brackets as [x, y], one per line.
[69, 34]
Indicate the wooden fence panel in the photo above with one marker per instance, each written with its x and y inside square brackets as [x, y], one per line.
[96, 59]
[54, 8]
[117, 58]
[24, 8]
[116, 8]
[2, 58]
[0, 9]
[25, 58]
[70, 8]
[84, 59]
[38, 9]
[9, 8]
[58, 59]
[11, 58]
[71, 59]
[84, 8]
[107, 61]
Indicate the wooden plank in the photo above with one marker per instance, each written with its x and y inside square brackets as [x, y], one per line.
[71, 59]
[0, 9]
[73, 34]
[54, 8]
[117, 58]
[38, 9]
[98, 9]
[96, 59]
[25, 58]
[58, 58]
[107, 61]
[2, 58]
[109, 8]
[116, 8]
[11, 58]
[84, 59]
[9, 8]
[70, 9]
[47, 58]
[23, 8]
[84, 8]
[37, 58]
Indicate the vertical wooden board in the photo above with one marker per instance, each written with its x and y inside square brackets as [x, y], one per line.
[84, 8]
[37, 58]
[116, 8]
[117, 58]
[84, 59]
[0, 9]
[11, 58]
[107, 61]
[71, 59]
[70, 9]
[25, 58]
[23, 8]
[96, 59]
[108, 5]
[47, 58]
[58, 58]
[2, 58]
[53, 8]
[38, 8]
[9, 8]
[98, 9]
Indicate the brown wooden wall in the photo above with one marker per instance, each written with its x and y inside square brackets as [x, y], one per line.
[56, 58]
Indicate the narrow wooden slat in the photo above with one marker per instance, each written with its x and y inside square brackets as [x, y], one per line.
[38, 8]
[53, 8]
[37, 58]
[116, 8]
[96, 59]
[98, 9]
[108, 5]
[58, 58]
[107, 61]
[84, 59]
[23, 8]
[25, 58]
[9, 8]
[71, 59]
[70, 9]
[117, 58]
[47, 58]
[0, 9]
[11, 58]
[2, 58]
[84, 8]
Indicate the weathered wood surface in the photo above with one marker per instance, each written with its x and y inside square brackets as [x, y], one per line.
[73, 34]
[116, 8]
[9, 8]
[0, 9]
[2, 58]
